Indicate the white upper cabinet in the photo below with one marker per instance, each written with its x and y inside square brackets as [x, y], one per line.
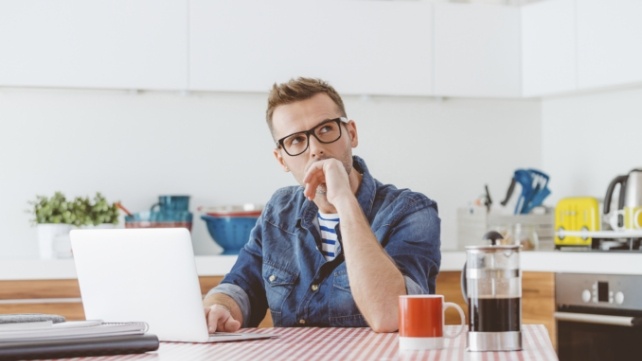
[609, 42]
[125, 44]
[360, 47]
[477, 50]
[548, 48]
[407, 48]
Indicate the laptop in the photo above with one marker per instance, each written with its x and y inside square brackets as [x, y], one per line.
[148, 275]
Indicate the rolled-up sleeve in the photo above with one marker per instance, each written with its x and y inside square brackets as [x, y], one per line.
[412, 288]
[238, 295]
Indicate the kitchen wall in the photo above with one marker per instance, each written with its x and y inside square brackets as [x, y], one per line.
[588, 139]
[216, 147]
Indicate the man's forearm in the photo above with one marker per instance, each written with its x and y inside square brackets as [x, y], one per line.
[375, 280]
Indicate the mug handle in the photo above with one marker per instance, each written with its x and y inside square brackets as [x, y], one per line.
[154, 206]
[448, 305]
[614, 220]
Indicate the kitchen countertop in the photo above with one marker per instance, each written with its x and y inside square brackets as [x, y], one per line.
[536, 261]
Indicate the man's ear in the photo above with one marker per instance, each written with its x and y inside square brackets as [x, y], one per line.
[280, 160]
[352, 131]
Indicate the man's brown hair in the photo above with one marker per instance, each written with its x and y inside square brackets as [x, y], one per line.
[300, 89]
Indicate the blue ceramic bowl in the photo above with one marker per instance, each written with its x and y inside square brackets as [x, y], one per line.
[231, 233]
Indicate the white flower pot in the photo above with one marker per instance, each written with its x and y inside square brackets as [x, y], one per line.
[54, 241]
[49, 235]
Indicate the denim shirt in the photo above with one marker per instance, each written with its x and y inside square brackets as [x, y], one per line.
[282, 268]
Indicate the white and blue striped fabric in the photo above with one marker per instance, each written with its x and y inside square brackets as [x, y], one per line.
[330, 246]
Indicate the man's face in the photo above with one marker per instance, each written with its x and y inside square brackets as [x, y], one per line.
[304, 115]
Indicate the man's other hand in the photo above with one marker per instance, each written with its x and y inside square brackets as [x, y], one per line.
[219, 318]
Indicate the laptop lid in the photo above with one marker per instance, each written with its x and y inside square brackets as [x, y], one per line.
[141, 274]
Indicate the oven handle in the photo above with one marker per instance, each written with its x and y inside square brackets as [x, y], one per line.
[598, 319]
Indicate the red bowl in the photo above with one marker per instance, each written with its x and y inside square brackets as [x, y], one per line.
[235, 214]
[244, 210]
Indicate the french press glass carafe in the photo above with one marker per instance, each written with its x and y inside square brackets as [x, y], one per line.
[493, 290]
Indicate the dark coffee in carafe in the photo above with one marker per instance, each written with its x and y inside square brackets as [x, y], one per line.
[494, 314]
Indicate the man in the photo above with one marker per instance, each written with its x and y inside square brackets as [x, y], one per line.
[337, 250]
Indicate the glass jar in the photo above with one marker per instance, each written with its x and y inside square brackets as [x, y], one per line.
[524, 235]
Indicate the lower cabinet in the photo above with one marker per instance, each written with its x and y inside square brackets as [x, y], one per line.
[538, 302]
[62, 297]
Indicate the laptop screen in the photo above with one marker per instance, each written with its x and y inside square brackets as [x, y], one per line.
[142, 274]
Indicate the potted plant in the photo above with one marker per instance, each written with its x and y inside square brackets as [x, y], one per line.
[55, 216]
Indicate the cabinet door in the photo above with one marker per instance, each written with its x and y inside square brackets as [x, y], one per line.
[130, 44]
[609, 38]
[60, 297]
[548, 47]
[360, 47]
[477, 50]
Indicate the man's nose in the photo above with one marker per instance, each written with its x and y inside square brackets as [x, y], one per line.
[314, 146]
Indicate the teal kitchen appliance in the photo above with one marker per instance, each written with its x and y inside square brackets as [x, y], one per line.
[534, 184]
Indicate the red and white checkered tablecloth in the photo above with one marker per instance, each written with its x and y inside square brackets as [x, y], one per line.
[335, 344]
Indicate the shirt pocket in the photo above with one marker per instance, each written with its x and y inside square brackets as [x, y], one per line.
[343, 309]
[279, 284]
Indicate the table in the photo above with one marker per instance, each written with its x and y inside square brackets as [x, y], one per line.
[336, 344]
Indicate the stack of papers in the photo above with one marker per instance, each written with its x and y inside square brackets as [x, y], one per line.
[69, 329]
[53, 339]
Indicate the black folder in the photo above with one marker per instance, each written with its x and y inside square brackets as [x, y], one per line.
[77, 347]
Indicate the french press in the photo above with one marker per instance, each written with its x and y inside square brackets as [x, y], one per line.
[492, 287]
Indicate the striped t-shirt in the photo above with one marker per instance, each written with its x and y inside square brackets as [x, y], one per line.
[330, 246]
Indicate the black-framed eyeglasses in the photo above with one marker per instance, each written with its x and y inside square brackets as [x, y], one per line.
[328, 131]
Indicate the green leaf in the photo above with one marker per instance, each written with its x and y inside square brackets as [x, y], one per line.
[80, 211]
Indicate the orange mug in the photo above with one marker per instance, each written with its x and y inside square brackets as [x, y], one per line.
[421, 321]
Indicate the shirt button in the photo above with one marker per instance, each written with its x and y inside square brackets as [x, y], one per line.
[301, 322]
[272, 278]
[314, 288]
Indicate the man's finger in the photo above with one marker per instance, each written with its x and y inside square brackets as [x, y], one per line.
[232, 325]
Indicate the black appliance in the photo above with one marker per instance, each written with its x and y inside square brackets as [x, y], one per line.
[598, 317]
